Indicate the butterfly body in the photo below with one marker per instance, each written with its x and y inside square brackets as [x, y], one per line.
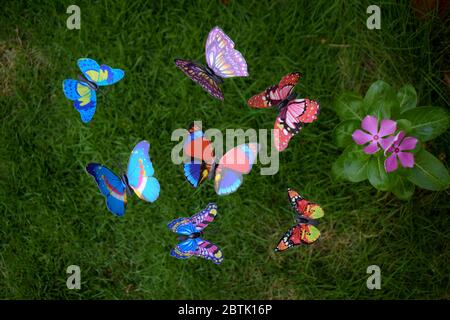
[194, 235]
[124, 179]
[212, 170]
[227, 171]
[305, 231]
[293, 113]
[83, 91]
[215, 77]
[283, 104]
[138, 180]
[191, 232]
[223, 61]
[92, 85]
[303, 219]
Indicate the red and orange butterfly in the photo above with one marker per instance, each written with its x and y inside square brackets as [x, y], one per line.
[305, 231]
[293, 113]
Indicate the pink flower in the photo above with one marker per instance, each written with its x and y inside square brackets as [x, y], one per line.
[397, 147]
[373, 135]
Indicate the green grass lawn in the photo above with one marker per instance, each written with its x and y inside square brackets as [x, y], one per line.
[53, 216]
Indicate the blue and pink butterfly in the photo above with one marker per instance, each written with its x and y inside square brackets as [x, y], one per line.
[138, 178]
[201, 164]
[83, 91]
[223, 62]
[191, 231]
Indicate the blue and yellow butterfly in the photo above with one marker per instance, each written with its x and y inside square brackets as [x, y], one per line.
[83, 90]
[139, 178]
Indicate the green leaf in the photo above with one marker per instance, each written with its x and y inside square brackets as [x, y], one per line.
[337, 169]
[377, 174]
[343, 132]
[427, 122]
[400, 186]
[404, 125]
[351, 164]
[349, 106]
[381, 100]
[407, 96]
[428, 172]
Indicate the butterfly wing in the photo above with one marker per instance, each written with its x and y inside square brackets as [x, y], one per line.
[111, 186]
[221, 56]
[84, 98]
[101, 75]
[273, 95]
[304, 207]
[201, 219]
[185, 249]
[197, 73]
[208, 251]
[291, 119]
[195, 246]
[140, 173]
[199, 156]
[298, 234]
[231, 167]
[197, 146]
[196, 172]
[227, 181]
[182, 226]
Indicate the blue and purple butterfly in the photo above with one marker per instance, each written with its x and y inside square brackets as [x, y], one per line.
[223, 62]
[83, 91]
[139, 178]
[200, 162]
[191, 231]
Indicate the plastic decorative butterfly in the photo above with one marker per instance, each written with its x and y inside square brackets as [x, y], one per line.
[223, 62]
[83, 91]
[305, 231]
[293, 113]
[191, 230]
[139, 178]
[200, 162]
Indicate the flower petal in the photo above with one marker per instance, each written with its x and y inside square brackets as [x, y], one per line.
[406, 159]
[370, 124]
[371, 148]
[387, 127]
[398, 138]
[409, 143]
[386, 143]
[360, 137]
[390, 164]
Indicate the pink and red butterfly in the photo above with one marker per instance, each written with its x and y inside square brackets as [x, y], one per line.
[223, 62]
[305, 231]
[200, 162]
[293, 113]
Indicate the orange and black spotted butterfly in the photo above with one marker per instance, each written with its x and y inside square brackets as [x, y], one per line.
[305, 231]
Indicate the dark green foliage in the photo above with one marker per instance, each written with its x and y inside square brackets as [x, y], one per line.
[423, 123]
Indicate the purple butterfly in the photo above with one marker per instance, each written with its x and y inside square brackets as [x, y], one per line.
[190, 231]
[223, 62]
